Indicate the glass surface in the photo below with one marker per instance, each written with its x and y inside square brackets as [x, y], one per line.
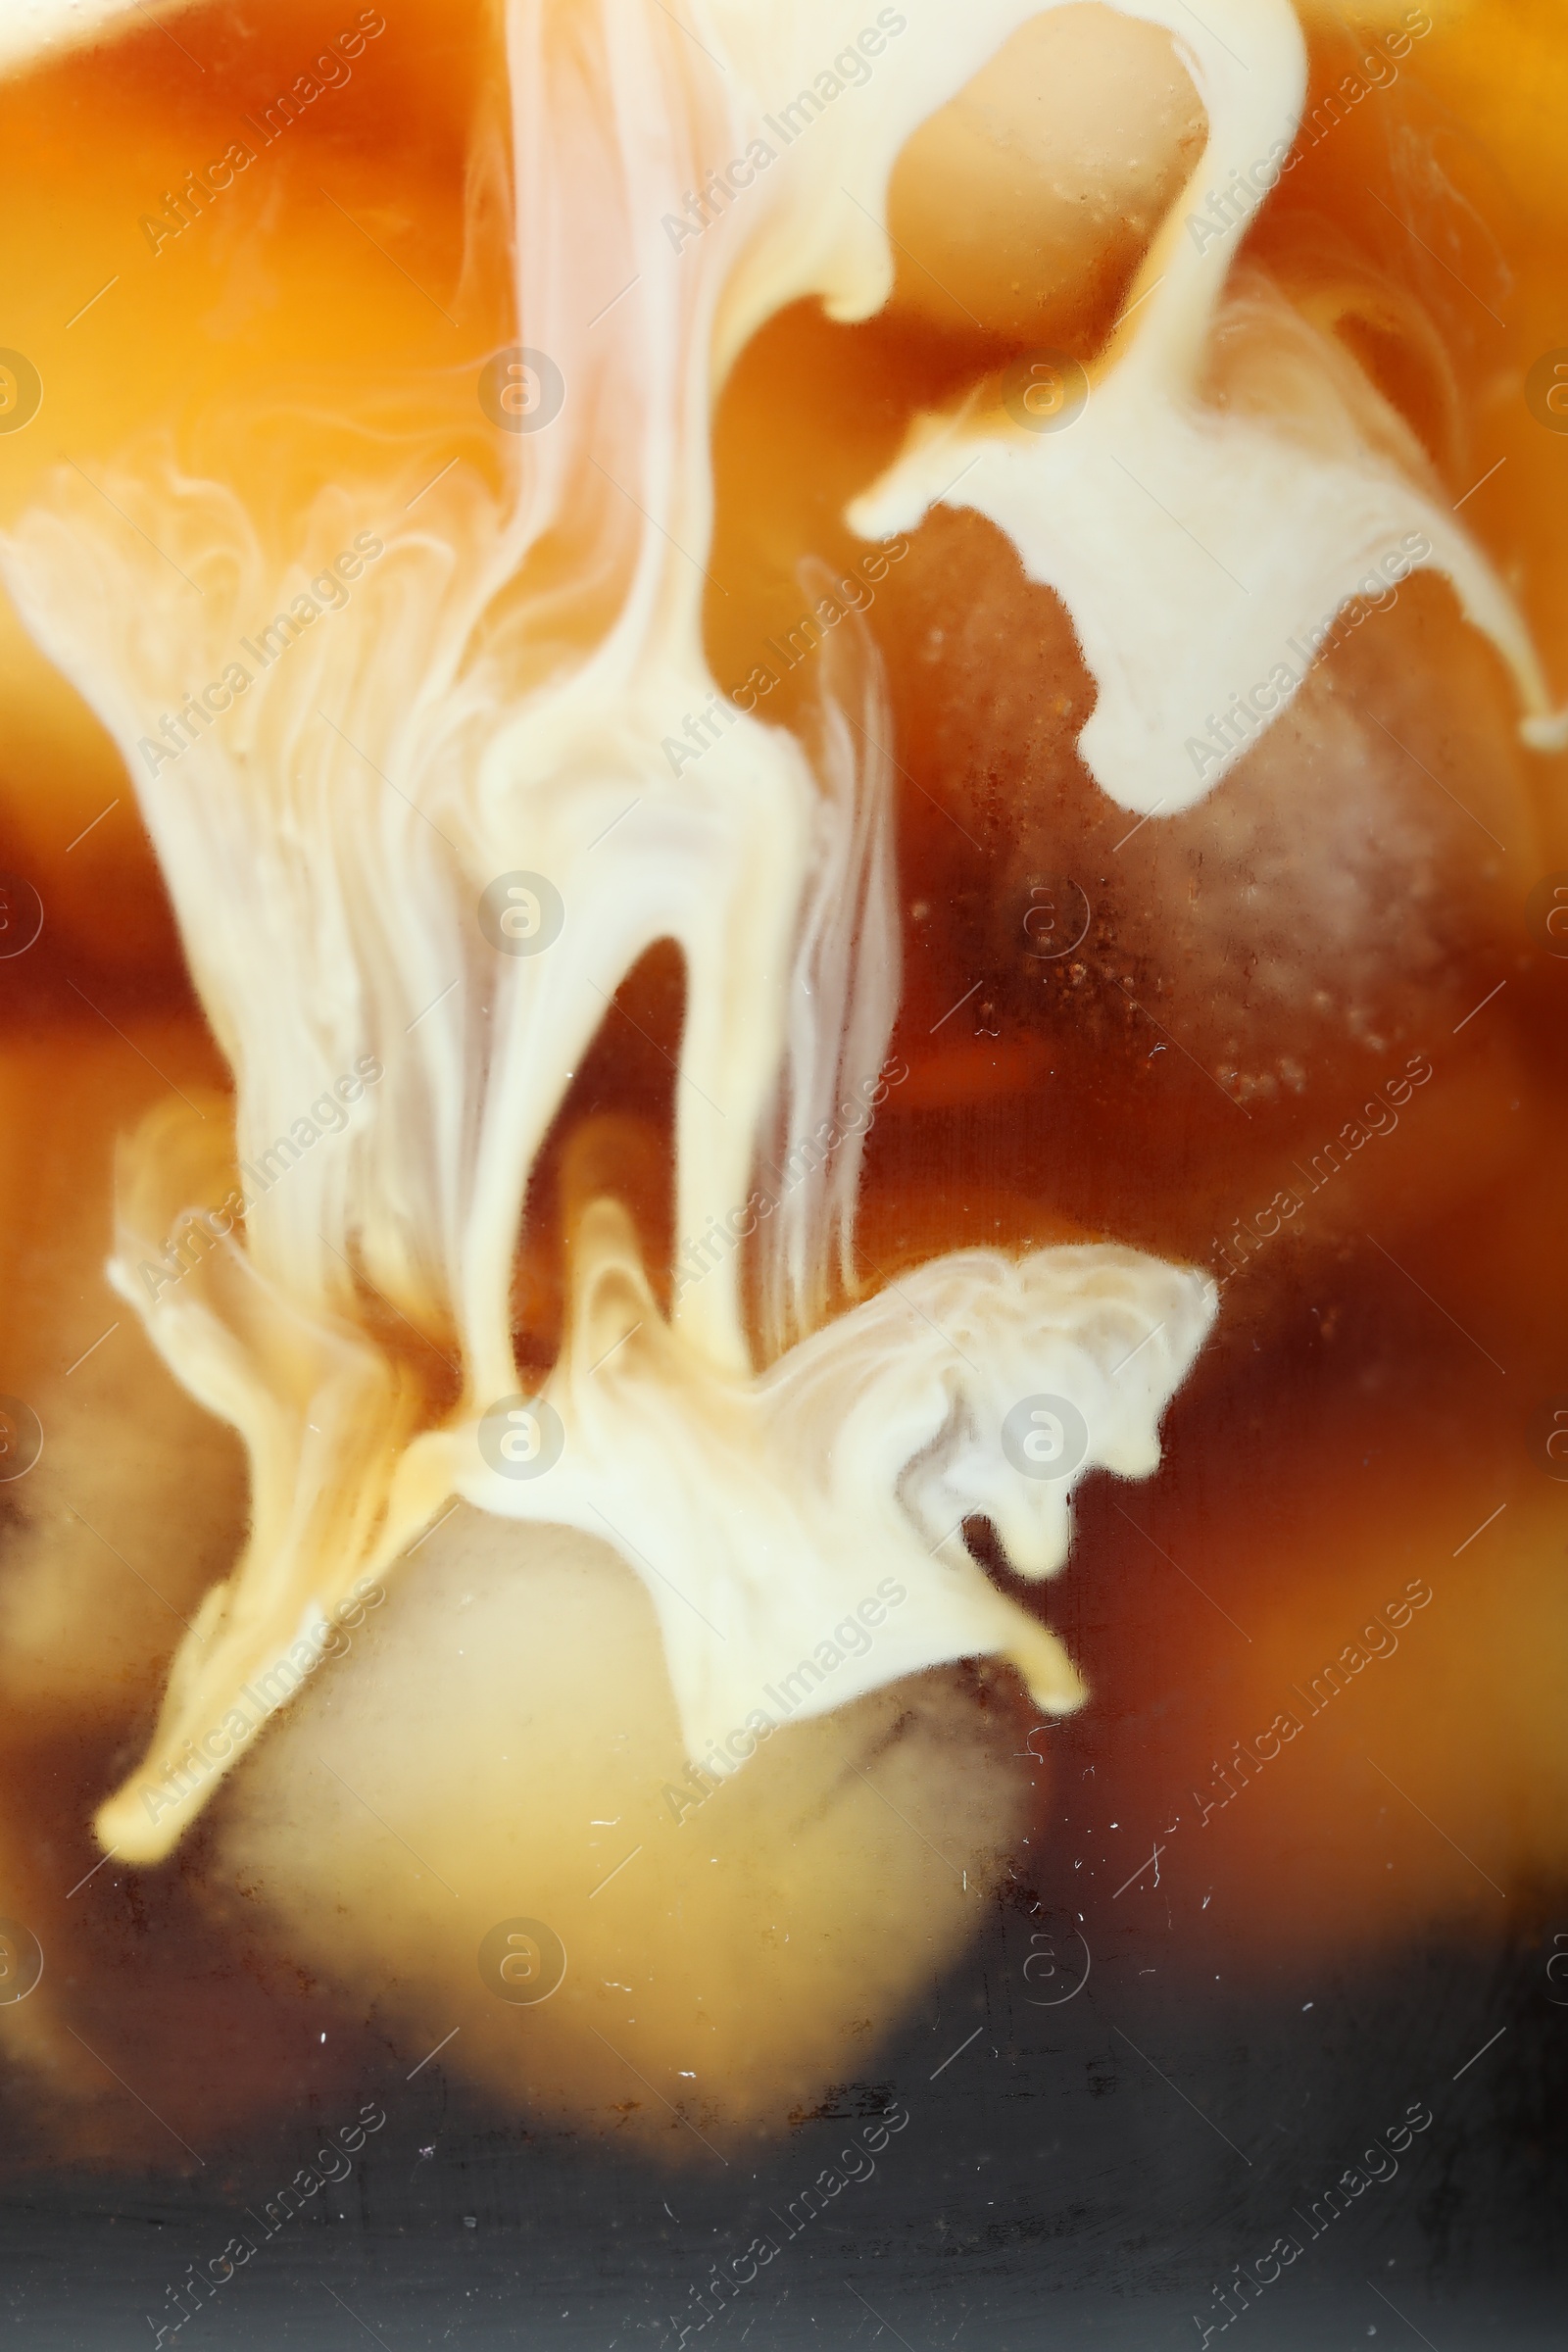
[783, 939]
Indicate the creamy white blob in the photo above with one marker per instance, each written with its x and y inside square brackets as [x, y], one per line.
[1203, 537]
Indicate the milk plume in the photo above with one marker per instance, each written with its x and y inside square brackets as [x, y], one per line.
[492, 701]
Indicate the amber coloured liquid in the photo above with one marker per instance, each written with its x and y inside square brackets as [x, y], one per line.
[1372, 1397]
